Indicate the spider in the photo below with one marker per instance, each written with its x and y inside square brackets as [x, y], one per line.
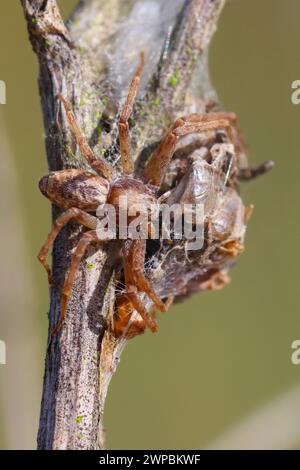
[80, 192]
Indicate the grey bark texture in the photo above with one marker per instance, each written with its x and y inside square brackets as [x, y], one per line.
[81, 360]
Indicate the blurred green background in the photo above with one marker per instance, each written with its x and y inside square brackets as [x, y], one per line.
[219, 370]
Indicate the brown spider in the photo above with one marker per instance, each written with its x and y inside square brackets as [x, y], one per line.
[80, 192]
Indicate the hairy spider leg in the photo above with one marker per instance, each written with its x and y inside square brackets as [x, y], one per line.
[193, 123]
[122, 322]
[135, 282]
[249, 173]
[98, 164]
[86, 239]
[134, 261]
[124, 135]
[77, 214]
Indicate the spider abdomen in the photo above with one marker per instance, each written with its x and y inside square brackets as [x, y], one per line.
[75, 188]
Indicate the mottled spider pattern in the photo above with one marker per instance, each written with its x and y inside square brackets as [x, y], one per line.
[80, 192]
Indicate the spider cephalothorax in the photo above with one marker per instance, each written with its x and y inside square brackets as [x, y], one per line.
[81, 192]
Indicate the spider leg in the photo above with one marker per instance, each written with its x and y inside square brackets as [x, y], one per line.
[247, 174]
[98, 164]
[80, 216]
[122, 325]
[194, 123]
[237, 138]
[126, 158]
[135, 251]
[150, 321]
[86, 239]
[136, 282]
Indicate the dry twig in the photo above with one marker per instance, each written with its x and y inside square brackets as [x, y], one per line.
[82, 359]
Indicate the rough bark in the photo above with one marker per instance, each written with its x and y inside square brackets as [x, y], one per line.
[81, 360]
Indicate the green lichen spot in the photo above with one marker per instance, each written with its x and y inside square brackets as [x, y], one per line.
[33, 20]
[192, 54]
[89, 266]
[70, 153]
[104, 101]
[156, 102]
[79, 419]
[174, 80]
[47, 43]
